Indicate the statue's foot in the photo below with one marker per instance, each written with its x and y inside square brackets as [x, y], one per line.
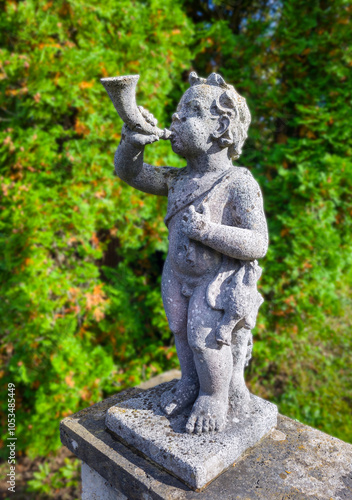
[183, 394]
[208, 414]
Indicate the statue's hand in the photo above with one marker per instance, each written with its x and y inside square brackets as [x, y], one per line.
[148, 116]
[194, 224]
[136, 139]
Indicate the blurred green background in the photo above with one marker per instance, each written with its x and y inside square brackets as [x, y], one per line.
[81, 253]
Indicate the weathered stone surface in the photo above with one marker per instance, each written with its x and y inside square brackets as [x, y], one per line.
[95, 487]
[217, 231]
[295, 462]
[195, 459]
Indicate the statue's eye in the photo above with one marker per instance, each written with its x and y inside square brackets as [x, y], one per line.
[194, 106]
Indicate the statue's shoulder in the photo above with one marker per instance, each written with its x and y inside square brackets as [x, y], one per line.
[174, 175]
[245, 190]
[244, 180]
[243, 173]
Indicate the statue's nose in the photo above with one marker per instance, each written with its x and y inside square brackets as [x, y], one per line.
[175, 117]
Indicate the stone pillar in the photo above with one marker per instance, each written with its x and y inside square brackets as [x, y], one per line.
[95, 487]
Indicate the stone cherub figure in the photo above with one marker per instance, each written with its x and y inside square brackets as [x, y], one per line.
[217, 230]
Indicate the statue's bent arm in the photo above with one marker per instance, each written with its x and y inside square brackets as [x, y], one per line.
[235, 242]
[129, 167]
[249, 240]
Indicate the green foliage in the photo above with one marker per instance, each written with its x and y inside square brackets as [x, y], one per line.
[81, 253]
[45, 482]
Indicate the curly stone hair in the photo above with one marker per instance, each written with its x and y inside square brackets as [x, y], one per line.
[234, 106]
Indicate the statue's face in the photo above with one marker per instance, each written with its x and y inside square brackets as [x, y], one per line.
[194, 121]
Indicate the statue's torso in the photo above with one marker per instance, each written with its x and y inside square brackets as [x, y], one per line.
[187, 257]
[191, 260]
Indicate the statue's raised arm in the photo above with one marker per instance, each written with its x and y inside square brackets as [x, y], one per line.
[131, 168]
[139, 130]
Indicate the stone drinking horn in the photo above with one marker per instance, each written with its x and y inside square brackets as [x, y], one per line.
[122, 92]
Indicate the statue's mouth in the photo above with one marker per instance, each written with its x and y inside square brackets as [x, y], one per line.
[173, 135]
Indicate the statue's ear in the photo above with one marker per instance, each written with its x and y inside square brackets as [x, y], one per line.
[223, 127]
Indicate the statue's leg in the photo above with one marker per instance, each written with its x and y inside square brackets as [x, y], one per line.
[239, 396]
[224, 330]
[213, 363]
[176, 307]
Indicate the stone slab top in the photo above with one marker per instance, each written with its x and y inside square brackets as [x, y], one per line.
[197, 460]
[294, 462]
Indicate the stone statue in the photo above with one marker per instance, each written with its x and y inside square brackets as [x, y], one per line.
[217, 231]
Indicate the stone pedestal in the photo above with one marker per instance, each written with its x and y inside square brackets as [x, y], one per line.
[195, 459]
[294, 461]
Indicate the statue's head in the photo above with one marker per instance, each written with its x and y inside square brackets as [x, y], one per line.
[211, 114]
